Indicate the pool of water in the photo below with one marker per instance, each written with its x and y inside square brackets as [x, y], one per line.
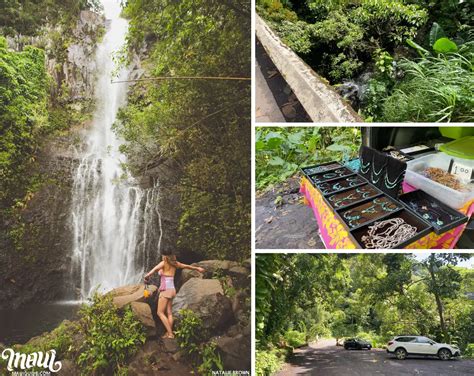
[20, 325]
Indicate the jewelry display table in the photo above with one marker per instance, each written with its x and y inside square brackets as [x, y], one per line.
[335, 235]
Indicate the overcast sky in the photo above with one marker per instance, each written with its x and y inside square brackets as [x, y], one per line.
[467, 264]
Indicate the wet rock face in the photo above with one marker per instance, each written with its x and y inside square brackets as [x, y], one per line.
[36, 268]
[77, 70]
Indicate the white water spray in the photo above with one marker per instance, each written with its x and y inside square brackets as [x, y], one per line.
[115, 222]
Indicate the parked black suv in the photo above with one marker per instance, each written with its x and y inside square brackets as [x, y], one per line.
[357, 344]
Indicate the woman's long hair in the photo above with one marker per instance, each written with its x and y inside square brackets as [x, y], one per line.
[170, 260]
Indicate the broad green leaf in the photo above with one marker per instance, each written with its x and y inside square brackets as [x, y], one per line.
[421, 51]
[436, 33]
[259, 145]
[273, 143]
[271, 135]
[445, 45]
[338, 147]
[276, 161]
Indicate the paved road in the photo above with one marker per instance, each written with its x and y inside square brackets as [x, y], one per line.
[325, 359]
[267, 110]
[275, 101]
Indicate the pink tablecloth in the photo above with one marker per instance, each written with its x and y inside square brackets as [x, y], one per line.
[336, 236]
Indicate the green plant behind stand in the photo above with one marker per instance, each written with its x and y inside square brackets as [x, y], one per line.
[280, 152]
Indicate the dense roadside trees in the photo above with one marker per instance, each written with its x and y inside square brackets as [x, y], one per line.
[395, 60]
[201, 126]
[375, 296]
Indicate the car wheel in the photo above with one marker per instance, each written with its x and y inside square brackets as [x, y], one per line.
[444, 354]
[400, 353]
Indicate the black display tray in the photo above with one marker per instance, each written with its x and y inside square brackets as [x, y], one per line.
[362, 200]
[331, 175]
[423, 229]
[367, 202]
[418, 195]
[356, 233]
[359, 180]
[312, 170]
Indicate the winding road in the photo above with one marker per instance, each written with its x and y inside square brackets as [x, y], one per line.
[326, 359]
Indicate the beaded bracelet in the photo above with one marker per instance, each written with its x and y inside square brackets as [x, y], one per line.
[430, 211]
[355, 217]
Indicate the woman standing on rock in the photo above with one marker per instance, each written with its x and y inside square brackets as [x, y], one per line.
[167, 270]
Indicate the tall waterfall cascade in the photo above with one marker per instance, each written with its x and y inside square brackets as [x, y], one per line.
[116, 223]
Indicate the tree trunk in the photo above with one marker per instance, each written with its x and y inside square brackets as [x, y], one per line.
[439, 303]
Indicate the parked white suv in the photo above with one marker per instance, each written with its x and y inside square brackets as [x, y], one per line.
[402, 346]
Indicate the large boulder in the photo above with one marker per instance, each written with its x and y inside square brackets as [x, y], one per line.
[211, 267]
[235, 352]
[142, 312]
[205, 298]
[240, 274]
[152, 359]
[69, 368]
[128, 294]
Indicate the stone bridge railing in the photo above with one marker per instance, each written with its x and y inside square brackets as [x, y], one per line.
[322, 103]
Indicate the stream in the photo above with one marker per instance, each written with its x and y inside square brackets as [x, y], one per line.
[19, 325]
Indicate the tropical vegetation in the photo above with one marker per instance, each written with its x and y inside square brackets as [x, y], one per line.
[281, 151]
[200, 127]
[395, 60]
[303, 297]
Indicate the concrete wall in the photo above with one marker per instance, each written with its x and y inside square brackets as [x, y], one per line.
[322, 103]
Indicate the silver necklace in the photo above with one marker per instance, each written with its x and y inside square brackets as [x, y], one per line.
[392, 232]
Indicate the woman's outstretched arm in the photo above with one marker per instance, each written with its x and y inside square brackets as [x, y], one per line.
[185, 266]
[155, 269]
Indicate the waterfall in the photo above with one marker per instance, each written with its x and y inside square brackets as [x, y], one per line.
[114, 220]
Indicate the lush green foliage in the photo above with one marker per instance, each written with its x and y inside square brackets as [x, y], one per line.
[279, 152]
[433, 89]
[189, 334]
[267, 362]
[100, 342]
[23, 112]
[33, 106]
[200, 128]
[111, 337]
[295, 338]
[28, 17]
[340, 37]
[345, 40]
[371, 296]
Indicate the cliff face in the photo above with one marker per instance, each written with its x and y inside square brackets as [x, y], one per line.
[35, 242]
[36, 267]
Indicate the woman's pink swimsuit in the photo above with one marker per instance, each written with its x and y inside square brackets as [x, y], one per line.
[167, 288]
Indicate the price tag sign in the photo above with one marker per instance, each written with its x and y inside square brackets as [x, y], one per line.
[462, 171]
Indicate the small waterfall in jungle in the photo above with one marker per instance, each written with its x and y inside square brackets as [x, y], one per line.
[116, 223]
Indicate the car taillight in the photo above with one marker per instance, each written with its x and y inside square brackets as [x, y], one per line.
[390, 343]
